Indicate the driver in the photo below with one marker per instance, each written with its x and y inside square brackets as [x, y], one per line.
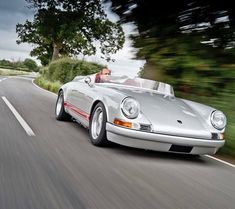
[102, 76]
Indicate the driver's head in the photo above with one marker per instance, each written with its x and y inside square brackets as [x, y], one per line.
[105, 71]
[103, 75]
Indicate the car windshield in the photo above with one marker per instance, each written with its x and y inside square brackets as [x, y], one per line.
[138, 83]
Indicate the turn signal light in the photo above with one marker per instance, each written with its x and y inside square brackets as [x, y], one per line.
[122, 123]
[222, 136]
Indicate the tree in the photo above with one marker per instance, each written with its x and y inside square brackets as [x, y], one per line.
[184, 41]
[69, 27]
[213, 21]
[31, 65]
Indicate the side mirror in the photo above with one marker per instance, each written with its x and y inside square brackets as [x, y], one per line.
[88, 81]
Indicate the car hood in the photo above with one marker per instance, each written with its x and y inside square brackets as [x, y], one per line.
[170, 115]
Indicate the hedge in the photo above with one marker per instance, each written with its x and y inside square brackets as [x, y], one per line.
[65, 69]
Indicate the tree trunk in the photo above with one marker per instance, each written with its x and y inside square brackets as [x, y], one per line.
[56, 51]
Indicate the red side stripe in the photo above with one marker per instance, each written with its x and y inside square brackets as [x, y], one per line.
[77, 110]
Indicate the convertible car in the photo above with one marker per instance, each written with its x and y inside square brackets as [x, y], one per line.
[140, 113]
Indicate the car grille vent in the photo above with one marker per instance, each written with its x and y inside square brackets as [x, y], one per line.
[214, 136]
[144, 127]
[178, 148]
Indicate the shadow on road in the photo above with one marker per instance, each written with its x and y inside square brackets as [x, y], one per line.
[119, 149]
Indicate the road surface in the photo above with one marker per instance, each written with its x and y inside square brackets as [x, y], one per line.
[58, 168]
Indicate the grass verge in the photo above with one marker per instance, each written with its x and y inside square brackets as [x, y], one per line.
[48, 85]
[7, 72]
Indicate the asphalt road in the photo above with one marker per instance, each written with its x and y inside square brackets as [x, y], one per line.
[58, 168]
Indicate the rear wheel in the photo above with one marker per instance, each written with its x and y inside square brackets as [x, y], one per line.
[97, 127]
[59, 108]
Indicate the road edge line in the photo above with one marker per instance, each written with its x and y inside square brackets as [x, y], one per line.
[42, 88]
[221, 161]
[22, 122]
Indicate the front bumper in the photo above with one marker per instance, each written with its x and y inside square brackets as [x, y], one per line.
[161, 142]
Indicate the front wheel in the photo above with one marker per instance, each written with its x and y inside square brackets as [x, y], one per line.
[97, 127]
[60, 113]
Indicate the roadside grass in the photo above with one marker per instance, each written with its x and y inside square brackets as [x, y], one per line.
[8, 72]
[229, 148]
[15, 68]
[48, 85]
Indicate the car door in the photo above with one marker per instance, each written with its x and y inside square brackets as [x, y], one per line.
[81, 100]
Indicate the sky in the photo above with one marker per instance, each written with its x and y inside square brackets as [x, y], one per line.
[15, 11]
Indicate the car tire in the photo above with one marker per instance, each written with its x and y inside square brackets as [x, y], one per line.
[97, 126]
[59, 108]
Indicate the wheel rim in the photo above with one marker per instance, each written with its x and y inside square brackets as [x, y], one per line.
[59, 105]
[96, 124]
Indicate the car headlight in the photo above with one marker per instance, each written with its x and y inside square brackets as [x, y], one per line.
[130, 108]
[218, 120]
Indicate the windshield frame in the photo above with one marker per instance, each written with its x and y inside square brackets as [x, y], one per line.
[137, 83]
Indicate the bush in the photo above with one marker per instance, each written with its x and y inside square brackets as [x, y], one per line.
[31, 65]
[65, 69]
[28, 65]
[43, 71]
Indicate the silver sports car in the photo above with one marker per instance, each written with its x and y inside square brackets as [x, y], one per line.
[140, 113]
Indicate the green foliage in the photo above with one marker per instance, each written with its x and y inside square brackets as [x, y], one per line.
[43, 70]
[31, 65]
[48, 85]
[5, 63]
[65, 69]
[68, 27]
[14, 65]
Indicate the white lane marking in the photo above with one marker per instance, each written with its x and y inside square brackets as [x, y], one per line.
[3, 79]
[222, 161]
[22, 122]
[52, 93]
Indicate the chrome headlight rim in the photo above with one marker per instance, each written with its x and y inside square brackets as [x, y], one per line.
[214, 123]
[125, 112]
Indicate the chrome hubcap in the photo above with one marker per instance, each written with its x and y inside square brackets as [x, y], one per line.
[96, 124]
[59, 105]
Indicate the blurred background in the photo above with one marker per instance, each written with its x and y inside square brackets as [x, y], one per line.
[190, 45]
